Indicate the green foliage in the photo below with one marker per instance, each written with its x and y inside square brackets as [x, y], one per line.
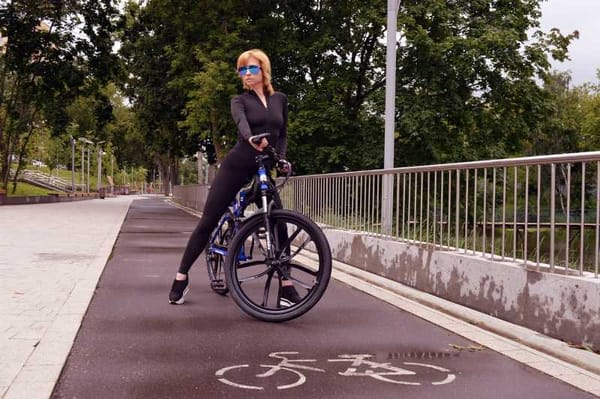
[188, 171]
[466, 90]
[207, 111]
[331, 74]
[590, 121]
[155, 59]
[330, 59]
[54, 49]
[560, 131]
[466, 87]
[467, 81]
[572, 122]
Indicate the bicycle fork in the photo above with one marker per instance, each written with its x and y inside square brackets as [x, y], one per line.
[262, 174]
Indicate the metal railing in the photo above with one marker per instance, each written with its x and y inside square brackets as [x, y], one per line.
[191, 195]
[542, 212]
[45, 180]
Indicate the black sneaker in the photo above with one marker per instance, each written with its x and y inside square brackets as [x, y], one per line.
[178, 291]
[289, 296]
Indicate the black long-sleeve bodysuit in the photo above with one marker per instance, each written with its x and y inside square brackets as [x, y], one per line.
[239, 165]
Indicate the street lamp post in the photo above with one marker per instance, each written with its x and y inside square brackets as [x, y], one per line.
[72, 164]
[89, 142]
[87, 187]
[112, 176]
[390, 114]
[82, 179]
[199, 166]
[99, 149]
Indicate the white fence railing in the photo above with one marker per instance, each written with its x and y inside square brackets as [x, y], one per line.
[46, 180]
[542, 212]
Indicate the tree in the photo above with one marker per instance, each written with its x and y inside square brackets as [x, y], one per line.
[125, 141]
[590, 128]
[467, 75]
[329, 57]
[150, 47]
[466, 86]
[53, 48]
[214, 82]
[332, 76]
[207, 111]
[561, 130]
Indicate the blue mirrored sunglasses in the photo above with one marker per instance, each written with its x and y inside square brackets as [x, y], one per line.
[254, 70]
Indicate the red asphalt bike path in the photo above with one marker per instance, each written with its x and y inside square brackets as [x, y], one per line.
[133, 344]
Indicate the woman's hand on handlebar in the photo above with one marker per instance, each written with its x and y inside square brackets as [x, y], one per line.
[259, 142]
[262, 144]
[284, 167]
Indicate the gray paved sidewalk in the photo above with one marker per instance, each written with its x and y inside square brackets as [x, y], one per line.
[51, 257]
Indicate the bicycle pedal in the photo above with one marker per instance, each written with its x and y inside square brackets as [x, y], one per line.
[217, 284]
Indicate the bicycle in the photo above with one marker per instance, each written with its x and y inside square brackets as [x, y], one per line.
[250, 257]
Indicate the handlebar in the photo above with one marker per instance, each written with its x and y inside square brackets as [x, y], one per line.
[257, 138]
[270, 153]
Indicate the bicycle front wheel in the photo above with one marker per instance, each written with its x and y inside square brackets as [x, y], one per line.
[299, 254]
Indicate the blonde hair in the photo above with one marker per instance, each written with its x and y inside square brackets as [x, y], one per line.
[265, 66]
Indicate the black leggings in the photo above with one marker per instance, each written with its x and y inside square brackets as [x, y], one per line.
[238, 167]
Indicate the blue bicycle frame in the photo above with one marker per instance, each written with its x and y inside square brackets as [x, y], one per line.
[237, 209]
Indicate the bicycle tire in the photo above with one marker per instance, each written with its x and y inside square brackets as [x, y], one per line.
[304, 258]
[215, 261]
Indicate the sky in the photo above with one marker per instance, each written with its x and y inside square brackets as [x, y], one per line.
[583, 16]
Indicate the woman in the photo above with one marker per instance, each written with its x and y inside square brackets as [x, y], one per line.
[260, 109]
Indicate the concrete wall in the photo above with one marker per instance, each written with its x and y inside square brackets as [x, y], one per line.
[564, 307]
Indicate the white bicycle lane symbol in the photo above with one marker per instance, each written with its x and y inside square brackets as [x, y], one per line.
[385, 372]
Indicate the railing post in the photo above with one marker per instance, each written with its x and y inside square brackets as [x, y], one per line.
[390, 113]
[552, 213]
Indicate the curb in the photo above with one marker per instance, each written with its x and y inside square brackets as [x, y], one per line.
[45, 199]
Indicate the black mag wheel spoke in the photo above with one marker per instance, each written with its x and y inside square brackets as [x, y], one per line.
[261, 247]
[302, 283]
[253, 276]
[307, 270]
[301, 247]
[267, 288]
[250, 263]
[280, 251]
[219, 241]
[288, 242]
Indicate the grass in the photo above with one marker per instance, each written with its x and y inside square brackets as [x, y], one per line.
[26, 189]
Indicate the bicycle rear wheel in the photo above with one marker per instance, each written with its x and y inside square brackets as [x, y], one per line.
[216, 251]
[300, 254]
